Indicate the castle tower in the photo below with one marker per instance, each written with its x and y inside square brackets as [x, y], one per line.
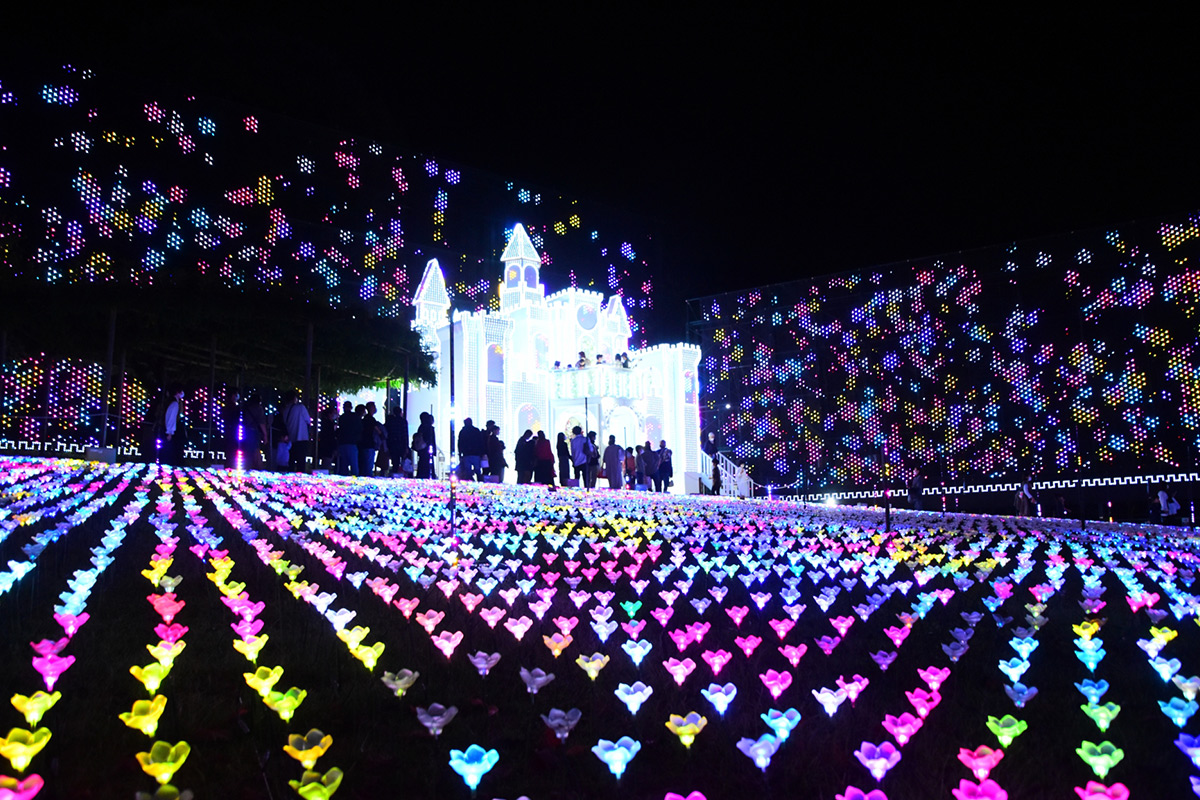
[521, 285]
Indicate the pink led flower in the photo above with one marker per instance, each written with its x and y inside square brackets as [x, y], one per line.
[853, 687]
[897, 634]
[748, 643]
[841, 624]
[987, 790]
[407, 605]
[980, 761]
[492, 615]
[878, 759]
[1098, 791]
[518, 627]
[690, 796]
[447, 642]
[903, 727]
[566, 624]
[429, 620]
[663, 615]
[782, 626]
[634, 628]
[682, 638]
[245, 629]
[52, 667]
[71, 622]
[776, 682]
[680, 669]
[16, 789]
[934, 677]
[923, 701]
[49, 647]
[558, 642]
[170, 633]
[793, 653]
[737, 614]
[166, 606]
[854, 793]
[716, 659]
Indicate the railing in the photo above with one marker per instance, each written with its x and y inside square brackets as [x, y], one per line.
[729, 473]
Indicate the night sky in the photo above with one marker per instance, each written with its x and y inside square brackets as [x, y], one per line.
[759, 147]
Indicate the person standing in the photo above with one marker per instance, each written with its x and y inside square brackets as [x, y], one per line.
[173, 431]
[495, 452]
[614, 461]
[429, 438]
[543, 471]
[651, 460]
[666, 470]
[525, 457]
[471, 449]
[639, 467]
[326, 437]
[254, 420]
[916, 488]
[564, 456]
[297, 421]
[348, 433]
[579, 456]
[593, 462]
[630, 468]
[373, 438]
[396, 426]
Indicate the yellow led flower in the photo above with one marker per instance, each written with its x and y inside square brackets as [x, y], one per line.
[1163, 635]
[592, 664]
[557, 643]
[164, 760]
[145, 714]
[158, 570]
[369, 656]
[294, 571]
[34, 706]
[687, 727]
[308, 748]
[165, 652]
[1086, 629]
[151, 675]
[232, 590]
[250, 647]
[280, 565]
[353, 636]
[315, 786]
[285, 704]
[296, 587]
[20, 746]
[263, 679]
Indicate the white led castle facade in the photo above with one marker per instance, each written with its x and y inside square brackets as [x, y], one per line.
[504, 366]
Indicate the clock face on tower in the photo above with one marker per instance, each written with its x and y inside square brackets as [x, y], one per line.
[586, 316]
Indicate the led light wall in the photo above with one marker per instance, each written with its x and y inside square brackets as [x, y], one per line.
[1072, 355]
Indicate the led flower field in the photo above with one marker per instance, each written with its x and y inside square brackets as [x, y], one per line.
[254, 635]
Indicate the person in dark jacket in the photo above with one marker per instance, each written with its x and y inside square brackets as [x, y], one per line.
[373, 438]
[495, 452]
[543, 471]
[429, 440]
[525, 457]
[397, 438]
[564, 456]
[349, 431]
[472, 447]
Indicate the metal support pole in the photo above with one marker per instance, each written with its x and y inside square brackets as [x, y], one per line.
[108, 369]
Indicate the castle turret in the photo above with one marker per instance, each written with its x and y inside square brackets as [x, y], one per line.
[522, 266]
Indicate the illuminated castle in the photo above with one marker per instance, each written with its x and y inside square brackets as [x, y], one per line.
[505, 365]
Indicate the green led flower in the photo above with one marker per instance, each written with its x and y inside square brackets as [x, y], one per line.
[285, 704]
[1006, 728]
[1102, 715]
[145, 714]
[1100, 757]
[315, 786]
[20, 746]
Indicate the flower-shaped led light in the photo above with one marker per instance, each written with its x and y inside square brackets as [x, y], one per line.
[250, 646]
[164, 760]
[680, 670]
[285, 703]
[1100, 757]
[830, 699]
[985, 790]
[1006, 728]
[166, 652]
[1190, 746]
[636, 649]
[20, 746]
[14, 789]
[368, 655]
[633, 696]
[1178, 710]
[263, 679]
[592, 664]
[35, 705]
[1188, 686]
[720, 696]
[150, 676]
[436, 717]
[760, 750]
[902, 727]
[878, 759]
[687, 728]
[315, 786]
[776, 682]
[535, 679]
[473, 763]
[483, 662]
[561, 722]
[1098, 791]
[853, 687]
[400, 681]
[1093, 690]
[934, 677]
[981, 761]
[1102, 715]
[618, 754]
[71, 622]
[52, 667]
[923, 701]
[782, 723]
[145, 714]
[308, 748]
[557, 643]
[716, 660]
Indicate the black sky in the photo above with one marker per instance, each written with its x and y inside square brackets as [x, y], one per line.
[761, 146]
